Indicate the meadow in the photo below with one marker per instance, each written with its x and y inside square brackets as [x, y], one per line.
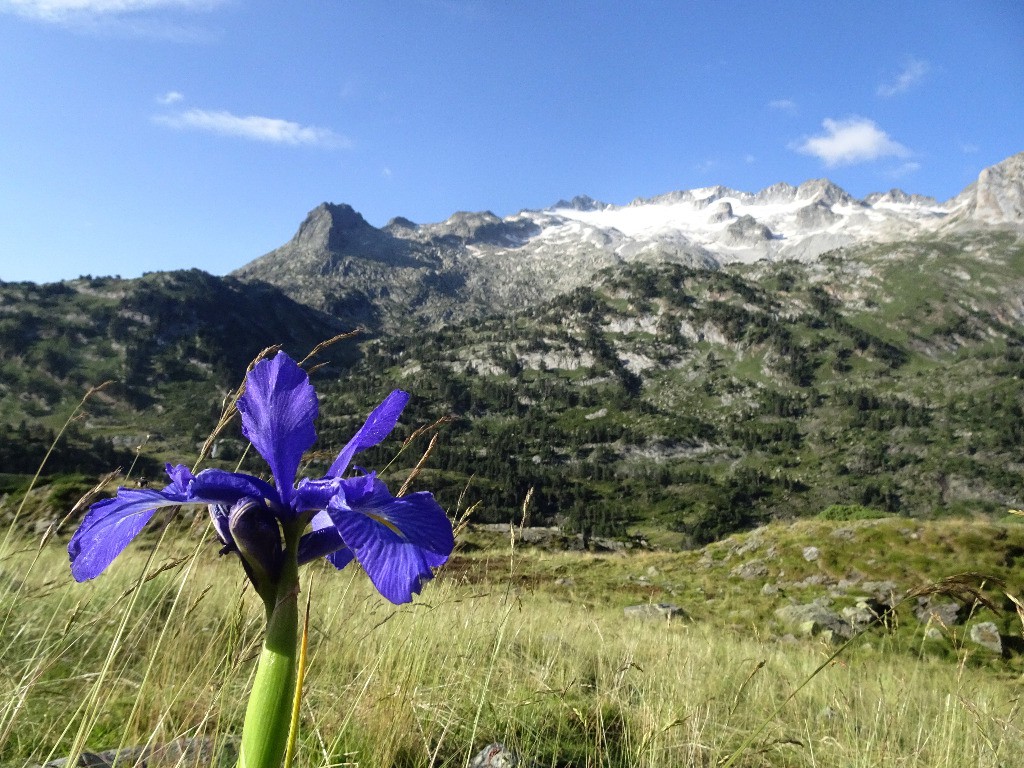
[519, 645]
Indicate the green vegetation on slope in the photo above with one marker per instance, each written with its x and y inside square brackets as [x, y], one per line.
[674, 403]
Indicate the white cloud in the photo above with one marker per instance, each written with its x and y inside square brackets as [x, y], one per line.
[912, 73]
[906, 169]
[783, 105]
[63, 10]
[171, 97]
[269, 129]
[855, 140]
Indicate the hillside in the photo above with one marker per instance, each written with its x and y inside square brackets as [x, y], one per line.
[706, 401]
[674, 402]
[170, 344]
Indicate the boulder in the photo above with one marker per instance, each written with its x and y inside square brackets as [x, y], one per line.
[752, 569]
[946, 613]
[495, 755]
[865, 612]
[662, 611]
[183, 751]
[986, 634]
[813, 619]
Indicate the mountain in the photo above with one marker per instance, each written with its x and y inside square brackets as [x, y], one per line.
[473, 264]
[611, 358]
[172, 344]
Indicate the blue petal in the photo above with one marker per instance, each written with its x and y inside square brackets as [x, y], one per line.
[397, 541]
[219, 518]
[111, 524]
[378, 425]
[324, 541]
[217, 486]
[315, 495]
[278, 410]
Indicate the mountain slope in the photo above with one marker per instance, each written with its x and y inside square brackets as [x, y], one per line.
[173, 344]
[475, 263]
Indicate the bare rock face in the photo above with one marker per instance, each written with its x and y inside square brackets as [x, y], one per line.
[999, 193]
[479, 263]
[997, 197]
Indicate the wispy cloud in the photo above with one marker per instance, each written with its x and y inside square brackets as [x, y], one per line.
[783, 105]
[64, 10]
[904, 170]
[268, 129]
[171, 97]
[146, 19]
[846, 142]
[912, 72]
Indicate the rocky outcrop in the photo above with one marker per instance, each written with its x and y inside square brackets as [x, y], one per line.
[477, 263]
[997, 197]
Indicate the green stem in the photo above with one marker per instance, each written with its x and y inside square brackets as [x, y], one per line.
[268, 715]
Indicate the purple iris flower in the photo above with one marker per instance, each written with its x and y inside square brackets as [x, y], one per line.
[397, 540]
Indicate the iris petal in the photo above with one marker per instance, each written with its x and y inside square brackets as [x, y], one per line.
[111, 524]
[218, 486]
[324, 541]
[278, 410]
[397, 541]
[377, 426]
[315, 494]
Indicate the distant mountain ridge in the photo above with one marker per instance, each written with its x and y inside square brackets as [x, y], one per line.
[476, 263]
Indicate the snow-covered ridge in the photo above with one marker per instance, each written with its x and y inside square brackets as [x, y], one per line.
[483, 260]
[779, 222]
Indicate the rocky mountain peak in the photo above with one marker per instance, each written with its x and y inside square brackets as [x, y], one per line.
[476, 262]
[580, 203]
[331, 227]
[899, 197]
[777, 193]
[400, 223]
[997, 197]
[824, 191]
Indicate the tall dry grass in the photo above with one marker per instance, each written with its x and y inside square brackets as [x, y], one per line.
[125, 661]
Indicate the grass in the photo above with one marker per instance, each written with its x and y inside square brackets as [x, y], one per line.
[527, 647]
[495, 650]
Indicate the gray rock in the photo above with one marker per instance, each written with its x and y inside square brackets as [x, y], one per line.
[768, 590]
[752, 569]
[662, 611]
[883, 591]
[183, 751]
[986, 634]
[811, 554]
[813, 619]
[495, 755]
[946, 613]
[862, 614]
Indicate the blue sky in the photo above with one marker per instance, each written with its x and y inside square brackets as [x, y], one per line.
[141, 135]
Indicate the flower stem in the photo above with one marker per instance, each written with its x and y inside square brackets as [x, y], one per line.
[268, 715]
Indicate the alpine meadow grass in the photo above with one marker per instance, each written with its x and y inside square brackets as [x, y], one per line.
[165, 646]
[498, 648]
